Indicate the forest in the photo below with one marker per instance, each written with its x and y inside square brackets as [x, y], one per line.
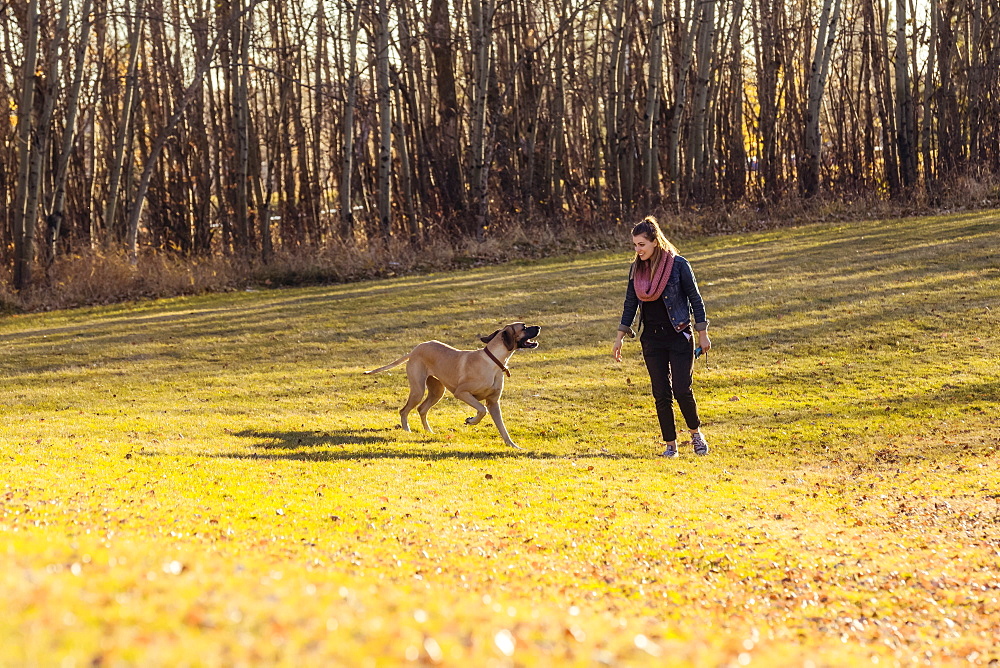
[249, 130]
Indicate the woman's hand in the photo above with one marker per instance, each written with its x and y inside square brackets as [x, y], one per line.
[704, 341]
[616, 350]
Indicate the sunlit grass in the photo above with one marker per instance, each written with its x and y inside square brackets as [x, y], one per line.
[212, 480]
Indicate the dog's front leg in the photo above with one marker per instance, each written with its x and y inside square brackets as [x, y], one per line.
[472, 401]
[494, 408]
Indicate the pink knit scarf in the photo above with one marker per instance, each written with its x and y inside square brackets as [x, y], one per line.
[649, 287]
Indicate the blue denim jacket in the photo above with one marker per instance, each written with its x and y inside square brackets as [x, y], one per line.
[680, 296]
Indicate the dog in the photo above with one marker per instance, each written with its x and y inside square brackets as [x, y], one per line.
[473, 376]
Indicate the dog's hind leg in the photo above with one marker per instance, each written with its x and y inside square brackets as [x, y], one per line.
[418, 383]
[435, 390]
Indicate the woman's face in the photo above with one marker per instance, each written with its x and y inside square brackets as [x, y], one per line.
[643, 247]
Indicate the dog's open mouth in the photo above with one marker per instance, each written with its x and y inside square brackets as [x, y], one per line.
[529, 335]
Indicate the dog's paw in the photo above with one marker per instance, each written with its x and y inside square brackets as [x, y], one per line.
[470, 420]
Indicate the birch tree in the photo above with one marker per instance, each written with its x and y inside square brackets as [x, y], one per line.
[24, 219]
[700, 147]
[905, 119]
[482, 28]
[385, 118]
[125, 124]
[347, 149]
[812, 145]
[653, 94]
[686, 36]
[56, 209]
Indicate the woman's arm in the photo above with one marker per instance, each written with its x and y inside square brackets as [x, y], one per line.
[628, 309]
[690, 287]
[628, 317]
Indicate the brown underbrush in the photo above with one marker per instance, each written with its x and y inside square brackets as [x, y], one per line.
[96, 277]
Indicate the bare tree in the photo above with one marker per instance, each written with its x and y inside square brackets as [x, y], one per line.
[653, 96]
[812, 148]
[347, 150]
[125, 124]
[482, 30]
[385, 118]
[56, 209]
[905, 119]
[23, 218]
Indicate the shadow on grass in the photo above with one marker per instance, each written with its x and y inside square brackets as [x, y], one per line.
[374, 444]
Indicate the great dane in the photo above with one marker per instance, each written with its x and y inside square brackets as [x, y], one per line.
[474, 376]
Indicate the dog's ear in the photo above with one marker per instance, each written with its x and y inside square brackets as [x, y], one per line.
[487, 339]
[508, 339]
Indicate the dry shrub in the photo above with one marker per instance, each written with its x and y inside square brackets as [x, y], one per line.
[96, 277]
[969, 191]
[100, 278]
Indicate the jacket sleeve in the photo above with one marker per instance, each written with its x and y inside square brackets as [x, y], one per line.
[628, 310]
[690, 287]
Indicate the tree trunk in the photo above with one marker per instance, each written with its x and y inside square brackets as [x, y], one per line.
[700, 147]
[239, 75]
[597, 186]
[650, 175]
[401, 130]
[686, 40]
[23, 219]
[614, 104]
[928, 120]
[812, 141]
[905, 120]
[39, 150]
[347, 157]
[55, 216]
[950, 144]
[558, 122]
[770, 67]
[482, 22]
[736, 166]
[125, 125]
[385, 122]
[446, 145]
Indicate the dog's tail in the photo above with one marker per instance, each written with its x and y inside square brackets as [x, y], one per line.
[390, 364]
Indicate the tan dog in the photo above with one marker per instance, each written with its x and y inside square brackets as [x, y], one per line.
[473, 376]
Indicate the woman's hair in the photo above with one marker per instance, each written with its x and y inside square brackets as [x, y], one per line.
[650, 229]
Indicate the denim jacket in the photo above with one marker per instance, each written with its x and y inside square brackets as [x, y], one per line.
[680, 296]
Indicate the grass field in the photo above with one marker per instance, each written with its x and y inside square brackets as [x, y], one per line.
[213, 481]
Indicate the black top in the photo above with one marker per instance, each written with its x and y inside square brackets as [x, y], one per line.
[654, 314]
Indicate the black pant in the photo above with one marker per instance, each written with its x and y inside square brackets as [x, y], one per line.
[669, 357]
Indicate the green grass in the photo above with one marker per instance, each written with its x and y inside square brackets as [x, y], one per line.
[213, 480]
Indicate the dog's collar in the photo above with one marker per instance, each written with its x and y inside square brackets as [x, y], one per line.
[499, 363]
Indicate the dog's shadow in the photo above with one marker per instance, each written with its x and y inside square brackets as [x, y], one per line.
[353, 444]
[369, 443]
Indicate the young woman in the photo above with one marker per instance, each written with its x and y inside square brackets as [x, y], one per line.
[662, 287]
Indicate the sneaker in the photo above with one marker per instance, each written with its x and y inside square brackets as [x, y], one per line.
[671, 450]
[700, 444]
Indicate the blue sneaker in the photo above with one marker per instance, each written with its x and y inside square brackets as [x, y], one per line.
[700, 444]
[671, 450]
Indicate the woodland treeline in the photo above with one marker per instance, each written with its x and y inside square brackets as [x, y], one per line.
[245, 128]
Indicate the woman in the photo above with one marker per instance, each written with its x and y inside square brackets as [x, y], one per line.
[662, 287]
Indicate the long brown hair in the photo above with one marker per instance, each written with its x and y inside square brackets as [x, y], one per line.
[650, 229]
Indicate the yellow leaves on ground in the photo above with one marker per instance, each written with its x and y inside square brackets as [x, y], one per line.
[245, 497]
